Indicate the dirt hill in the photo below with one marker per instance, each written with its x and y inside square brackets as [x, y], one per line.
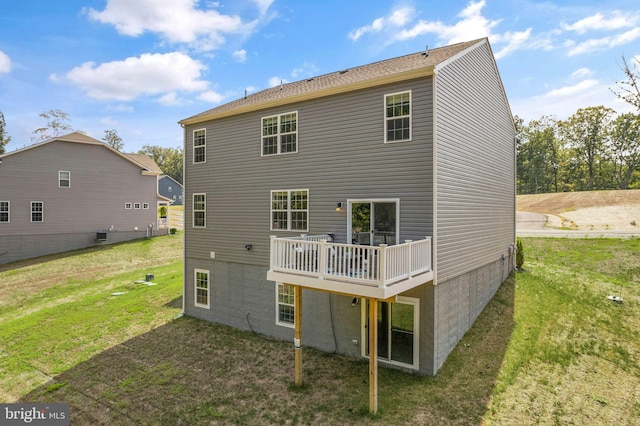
[592, 210]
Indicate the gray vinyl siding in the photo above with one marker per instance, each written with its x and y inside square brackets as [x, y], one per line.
[241, 297]
[475, 166]
[101, 183]
[341, 155]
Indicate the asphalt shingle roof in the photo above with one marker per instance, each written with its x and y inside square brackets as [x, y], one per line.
[337, 79]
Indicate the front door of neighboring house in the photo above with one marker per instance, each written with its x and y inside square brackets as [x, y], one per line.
[397, 331]
[374, 222]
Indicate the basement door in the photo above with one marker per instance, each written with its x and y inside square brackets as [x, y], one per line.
[397, 331]
[374, 222]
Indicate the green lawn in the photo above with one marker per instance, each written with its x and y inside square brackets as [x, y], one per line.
[550, 348]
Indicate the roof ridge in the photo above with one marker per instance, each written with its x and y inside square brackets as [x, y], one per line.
[403, 66]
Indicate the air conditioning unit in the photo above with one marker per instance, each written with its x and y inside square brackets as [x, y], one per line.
[101, 236]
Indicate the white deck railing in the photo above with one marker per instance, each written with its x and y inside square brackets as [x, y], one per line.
[378, 266]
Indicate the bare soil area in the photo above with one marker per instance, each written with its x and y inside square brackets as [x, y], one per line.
[586, 211]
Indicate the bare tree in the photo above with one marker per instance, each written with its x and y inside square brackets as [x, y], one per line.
[630, 86]
[58, 123]
[112, 139]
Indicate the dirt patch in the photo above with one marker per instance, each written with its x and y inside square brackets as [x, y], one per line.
[562, 202]
[586, 211]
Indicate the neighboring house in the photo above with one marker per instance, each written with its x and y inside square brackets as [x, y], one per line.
[71, 192]
[170, 188]
[317, 185]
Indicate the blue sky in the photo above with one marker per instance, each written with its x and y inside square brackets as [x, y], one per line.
[140, 66]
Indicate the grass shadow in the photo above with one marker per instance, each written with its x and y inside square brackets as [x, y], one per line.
[63, 255]
[175, 303]
[191, 371]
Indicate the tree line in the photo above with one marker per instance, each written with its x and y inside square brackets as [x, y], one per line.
[595, 148]
[58, 123]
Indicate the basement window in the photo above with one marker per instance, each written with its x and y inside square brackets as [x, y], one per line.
[201, 288]
[285, 305]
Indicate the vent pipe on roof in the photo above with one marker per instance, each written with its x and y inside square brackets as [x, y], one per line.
[280, 84]
[245, 93]
[426, 51]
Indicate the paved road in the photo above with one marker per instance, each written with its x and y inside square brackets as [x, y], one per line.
[529, 221]
[557, 233]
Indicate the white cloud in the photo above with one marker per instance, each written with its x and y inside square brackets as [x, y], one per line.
[108, 121]
[604, 43]
[177, 21]
[211, 97]
[567, 100]
[170, 99]
[471, 25]
[120, 108]
[306, 70]
[149, 74]
[567, 91]
[5, 62]
[582, 72]
[397, 18]
[514, 40]
[615, 21]
[240, 55]
[263, 5]
[276, 81]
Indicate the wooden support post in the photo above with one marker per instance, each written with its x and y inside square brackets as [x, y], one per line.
[373, 356]
[297, 340]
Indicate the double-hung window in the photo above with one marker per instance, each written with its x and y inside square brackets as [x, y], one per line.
[199, 210]
[397, 117]
[4, 211]
[285, 305]
[201, 288]
[280, 134]
[199, 146]
[37, 211]
[290, 210]
[64, 179]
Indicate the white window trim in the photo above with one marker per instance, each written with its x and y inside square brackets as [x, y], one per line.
[279, 135]
[416, 331]
[386, 119]
[136, 206]
[128, 206]
[145, 206]
[289, 210]
[60, 178]
[195, 288]
[278, 322]
[8, 211]
[31, 212]
[204, 147]
[193, 212]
